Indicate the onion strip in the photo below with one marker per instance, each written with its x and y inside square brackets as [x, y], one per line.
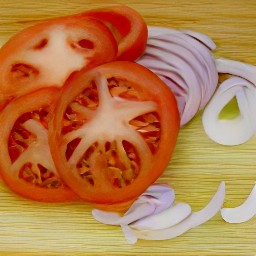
[243, 212]
[167, 218]
[155, 199]
[239, 129]
[194, 220]
[237, 68]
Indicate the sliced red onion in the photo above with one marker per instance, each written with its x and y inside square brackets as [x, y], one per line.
[239, 129]
[207, 41]
[176, 51]
[201, 52]
[165, 219]
[154, 200]
[155, 31]
[194, 220]
[183, 61]
[190, 77]
[177, 48]
[242, 213]
[176, 81]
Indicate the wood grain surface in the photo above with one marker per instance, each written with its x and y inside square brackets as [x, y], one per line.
[195, 171]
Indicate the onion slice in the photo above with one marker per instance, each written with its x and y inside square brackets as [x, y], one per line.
[194, 220]
[240, 128]
[155, 199]
[237, 68]
[165, 219]
[182, 59]
[242, 213]
[139, 210]
[206, 40]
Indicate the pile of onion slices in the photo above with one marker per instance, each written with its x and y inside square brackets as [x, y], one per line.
[156, 216]
[183, 60]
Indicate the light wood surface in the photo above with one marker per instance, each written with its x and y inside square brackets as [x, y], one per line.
[196, 169]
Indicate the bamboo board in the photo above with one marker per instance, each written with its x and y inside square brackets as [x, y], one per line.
[196, 169]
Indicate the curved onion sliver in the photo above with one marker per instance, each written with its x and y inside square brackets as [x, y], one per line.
[207, 41]
[165, 219]
[242, 213]
[191, 78]
[231, 131]
[155, 199]
[194, 220]
[161, 194]
[112, 218]
[237, 68]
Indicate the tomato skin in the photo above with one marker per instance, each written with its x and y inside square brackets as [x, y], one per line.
[20, 66]
[150, 88]
[43, 98]
[127, 26]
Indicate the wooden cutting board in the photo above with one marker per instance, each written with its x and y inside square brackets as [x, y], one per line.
[195, 171]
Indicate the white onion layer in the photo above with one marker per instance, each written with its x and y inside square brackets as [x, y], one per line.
[237, 68]
[155, 199]
[243, 212]
[167, 218]
[194, 220]
[238, 129]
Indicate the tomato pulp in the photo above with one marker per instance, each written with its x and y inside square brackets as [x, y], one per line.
[114, 131]
[127, 26]
[26, 164]
[45, 54]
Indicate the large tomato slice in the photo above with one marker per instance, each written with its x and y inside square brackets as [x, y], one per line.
[128, 28]
[114, 130]
[47, 53]
[26, 163]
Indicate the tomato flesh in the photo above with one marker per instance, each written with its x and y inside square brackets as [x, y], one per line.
[128, 28]
[111, 135]
[45, 54]
[26, 163]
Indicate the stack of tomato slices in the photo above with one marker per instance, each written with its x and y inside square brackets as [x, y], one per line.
[79, 118]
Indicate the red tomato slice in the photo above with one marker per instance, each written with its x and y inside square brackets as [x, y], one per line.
[113, 132]
[127, 26]
[26, 163]
[46, 54]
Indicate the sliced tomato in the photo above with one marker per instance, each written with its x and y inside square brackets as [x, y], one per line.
[26, 164]
[113, 133]
[127, 26]
[46, 54]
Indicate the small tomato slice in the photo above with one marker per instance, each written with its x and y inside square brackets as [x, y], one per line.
[113, 133]
[128, 28]
[47, 53]
[26, 163]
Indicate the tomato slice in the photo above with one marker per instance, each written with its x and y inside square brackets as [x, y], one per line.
[26, 163]
[46, 54]
[114, 130]
[128, 28]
